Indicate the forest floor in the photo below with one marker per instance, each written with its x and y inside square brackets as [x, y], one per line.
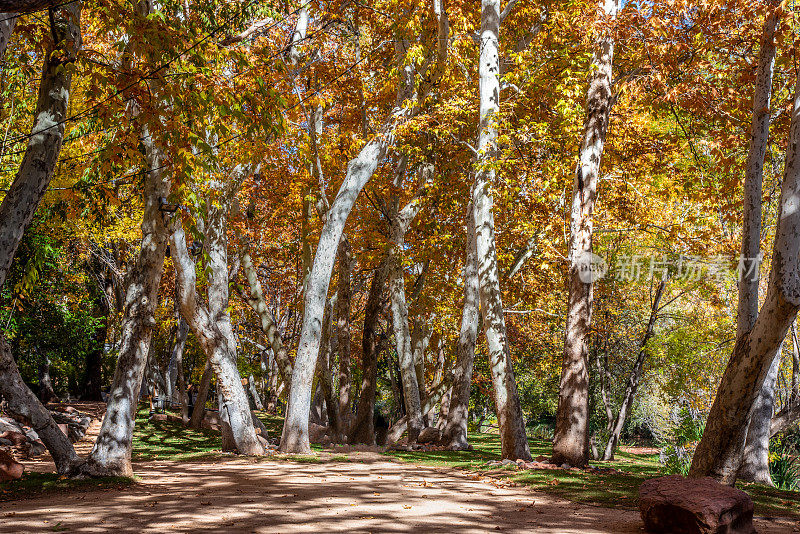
[184, 483]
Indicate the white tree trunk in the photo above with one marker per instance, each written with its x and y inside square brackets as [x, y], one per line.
[571, 439]
[400, 223]
[454, 435]
[755, 455]
[755, 466]
[212, 326]
[717, 455]
[21, 201]
[509, 412]
[295, 430]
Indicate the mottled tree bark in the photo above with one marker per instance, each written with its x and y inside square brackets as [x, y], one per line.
[212, 325]
[755, 455]
[755, 464]
[571, 438]
[509, 412]
[717, 454]
[22, 200]
[454, 435]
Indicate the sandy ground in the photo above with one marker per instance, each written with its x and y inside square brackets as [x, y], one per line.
[372, 494]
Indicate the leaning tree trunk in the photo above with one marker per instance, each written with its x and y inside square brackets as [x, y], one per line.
[21, 201]
[212, 327]
[111, 454]
[755, 465]
[514, 443]
[454, 435]
[635, 376]
[717, 455]
[363, 428]
[401, 220]
[571, 438]
[22, 403]
[294, 438]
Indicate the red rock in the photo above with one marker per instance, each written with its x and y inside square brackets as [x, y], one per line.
[678, 505]
[10, 469]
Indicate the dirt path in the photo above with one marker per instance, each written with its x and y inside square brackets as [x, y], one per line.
[370, 494]
[374, 495]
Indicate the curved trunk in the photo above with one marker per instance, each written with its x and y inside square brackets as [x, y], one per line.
[571, 437]
[212, 328]
[22, 403]
[755, 465]
[405, 352]
[509, 413]
[295, 429]
[111, 454]
[718, 454]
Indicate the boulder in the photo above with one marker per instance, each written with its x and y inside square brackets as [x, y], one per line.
[10, 469]
[316, 432]
[17, 439]
[678, 505]
[429, 435]
[77, 422]
[210, 421]
[9, 425]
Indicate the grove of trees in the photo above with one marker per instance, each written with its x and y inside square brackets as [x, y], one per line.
[576, 217]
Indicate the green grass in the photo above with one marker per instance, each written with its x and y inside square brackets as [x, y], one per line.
[170, 441]
[37, 484]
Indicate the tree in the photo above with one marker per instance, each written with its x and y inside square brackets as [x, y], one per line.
[509, 412]
[571, 439]
[454, 434]
[111, 454]
[717, 453]
[755, 459]
[20, 203]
